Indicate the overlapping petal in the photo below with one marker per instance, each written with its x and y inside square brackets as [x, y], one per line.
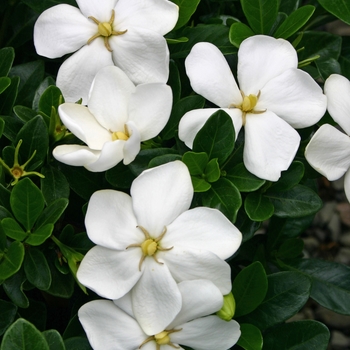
[101, 10]
[328, 152]
[270, 145]
[132, 145]
[75, 155]
[337, 90]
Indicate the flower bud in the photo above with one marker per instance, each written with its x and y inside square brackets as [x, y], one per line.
[228, 309]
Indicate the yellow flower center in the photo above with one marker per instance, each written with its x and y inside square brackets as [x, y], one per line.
[121, 135]
[162, 338]
[105, 29]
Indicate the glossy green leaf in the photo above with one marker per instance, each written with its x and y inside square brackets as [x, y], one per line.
[165, 158]
[2, 127]
[196, 162]
[289, 6]
[287, 292]
[8, 97]
[11, 260]
[289, 178]
[48, 81]
[199, 184]
[52, 213]
[8, 314]
[37, 269]
[24, 113]
[245, 225]
[290, 248]
[13, 229]
[186, 10]
[174, 81]
[294, 22]
[339, 8]
[260, 14]
[5, 82]
[225, 197]
[212, 171]
[297, 202]
[51, 97]
[40, 235]
[25, 336]
[13, 287]
[249, 288]
[27, 202]
[258, 207]
[216, 137]
[239, 32]
[120, 176]
[328, 67]
[77, 343]
[251, 338]
[301, 335]
[7, 55]
[5, 197]
[54, 340]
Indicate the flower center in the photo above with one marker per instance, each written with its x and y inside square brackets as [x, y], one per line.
[105, 29]
[121, 135]
[149, 246]
[162, 338]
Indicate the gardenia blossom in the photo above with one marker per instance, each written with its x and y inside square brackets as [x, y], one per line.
[125, 33]
[273, 97]
[111, 326]
[118, 118]
[328, 152]
[150, 241]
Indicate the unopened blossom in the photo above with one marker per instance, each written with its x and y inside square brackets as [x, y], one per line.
[150, 241]
[328, 152]
[125, 33]
[272, 99]
[118, 118]
[111, 326]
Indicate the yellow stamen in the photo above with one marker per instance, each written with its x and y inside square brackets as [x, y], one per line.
[119, 135]
[162, 338]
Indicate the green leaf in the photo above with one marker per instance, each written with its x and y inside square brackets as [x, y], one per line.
[243, 179]
[8, 97]
[196, 162]
[216, 137]
[225, 197]
[289, 178]
[11, 260]
[5, 197]
[37, 269]
[260, 14]
[174, 81]
[301, 335]
[120, 176]
[23, 335]
[286, 294]
[51, 97]
[52, 213]
[2, 127]
[165, 158]
[7, 55]
[40, 235]
[13, 230]
[251, 338]
[54, 340]
[200, 185]
[24, 113]
[8, 314]
[297, 202]
[289, 6]
[5, 82]
[35, 313]
[77, 343]
[48, 81]
[249, 288]
[294, 22]
[212, 171]
[290, 248]
[186, 10]
[239, 32]
[258, 207]
[27, 202]
[13, 287]
[338, 8]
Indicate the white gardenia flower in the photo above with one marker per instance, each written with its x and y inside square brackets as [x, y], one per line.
[273, 97]
[328, 152]
[112, 326]
[125, 33]
[150, 241]
[118, 118]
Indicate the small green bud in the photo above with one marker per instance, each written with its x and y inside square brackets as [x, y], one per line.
[228, 309]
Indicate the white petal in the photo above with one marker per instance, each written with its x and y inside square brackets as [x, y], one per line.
[125, 303]
[79, 120]
[75, 155]
[60, 30]
[110, 273]
[111, 154]
[199, 298]
[110, 221]
[142, 54]
[156, 298]
[211, 76]
[328, 152]
[109, 328]
[157, 15]
[295, 97]
[101, 10]
[193, 264]
[150, 107]
[262, 58]
[270, 145]
[160, 195]
[109, 98]
[133, 144]
[194, 120]
[208, 333]
[347, 185]
[205, 229]
[76, 74]
[337, 90]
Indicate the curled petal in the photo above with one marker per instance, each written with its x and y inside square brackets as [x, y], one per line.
[60, 30]
[204, 229]
[194, 120]
[75, 155]
[109, 328]
[150, 107]
[328, 152]
[109, 98]
[347, 185]
[101, 10]
[295, 97]
[337, 90]
[110, 273]
[270, 145]
[160, 195]
[262, 58]
[211, 76]
[133, 144]
[76, 74]
[156, 299]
